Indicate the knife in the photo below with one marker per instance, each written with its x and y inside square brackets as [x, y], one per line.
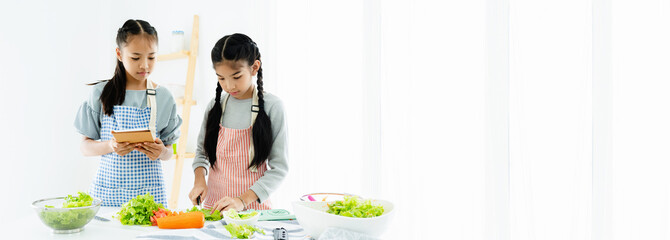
[102, 219]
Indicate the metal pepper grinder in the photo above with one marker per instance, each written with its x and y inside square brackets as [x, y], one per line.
[280, 234]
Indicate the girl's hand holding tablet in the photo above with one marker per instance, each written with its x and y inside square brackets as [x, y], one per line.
[121, 148]
[153, 150]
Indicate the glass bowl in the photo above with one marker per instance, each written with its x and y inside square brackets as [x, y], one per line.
[65, 220]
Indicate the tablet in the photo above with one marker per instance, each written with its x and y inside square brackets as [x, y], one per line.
[133, 135]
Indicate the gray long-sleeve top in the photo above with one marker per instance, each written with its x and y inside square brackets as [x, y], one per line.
[238, 116]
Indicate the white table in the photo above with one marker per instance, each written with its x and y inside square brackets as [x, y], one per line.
[30, 227]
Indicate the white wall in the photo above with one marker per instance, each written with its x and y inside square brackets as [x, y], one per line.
[50, 51]
[640, 205]
[550, 119]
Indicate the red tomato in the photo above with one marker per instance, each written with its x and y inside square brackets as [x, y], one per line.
[161, 213]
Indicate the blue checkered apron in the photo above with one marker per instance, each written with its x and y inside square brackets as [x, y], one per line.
[120, 178]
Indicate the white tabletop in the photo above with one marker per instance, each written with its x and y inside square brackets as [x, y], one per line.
[30, 227]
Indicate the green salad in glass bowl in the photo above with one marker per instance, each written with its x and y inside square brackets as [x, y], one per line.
[67, 214]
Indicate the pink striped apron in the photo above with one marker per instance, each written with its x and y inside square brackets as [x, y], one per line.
[231, 177]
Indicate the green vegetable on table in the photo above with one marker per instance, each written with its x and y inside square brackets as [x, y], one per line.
[240, 216]
[242, 231]
[138, 211]
[74, 218]
[67, 220]
[216, 216]
[354, 207]
[82, 200]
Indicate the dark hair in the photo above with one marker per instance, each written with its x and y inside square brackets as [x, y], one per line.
[114, 93]
[239, 47]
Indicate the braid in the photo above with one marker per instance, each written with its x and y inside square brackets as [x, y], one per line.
[259, 86]
[262, 128]
[239, 47]
[259, 75]
[212, 127]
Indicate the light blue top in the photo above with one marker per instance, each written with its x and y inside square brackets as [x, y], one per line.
[88, 120]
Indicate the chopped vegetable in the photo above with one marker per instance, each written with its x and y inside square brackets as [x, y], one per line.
[242, 231]
[184, 220]
[138, 211]
[82, 200]
[75, 218]
[71, 219]
[162, 213]
[216, 216]
[232, 214]
[354, 207]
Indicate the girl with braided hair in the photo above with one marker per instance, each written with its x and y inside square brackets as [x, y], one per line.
[242, 143]
[129, 100]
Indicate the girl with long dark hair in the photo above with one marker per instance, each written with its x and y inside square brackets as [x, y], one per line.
[242, 142]
[129, 101]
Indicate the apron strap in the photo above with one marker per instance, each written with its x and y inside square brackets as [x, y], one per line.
[151, 102]
[254, 113]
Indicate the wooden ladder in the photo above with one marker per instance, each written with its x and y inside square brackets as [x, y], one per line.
[186, 104]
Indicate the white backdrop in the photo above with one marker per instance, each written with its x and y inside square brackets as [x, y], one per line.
[640, 85]
[484, 119]
[550, 119]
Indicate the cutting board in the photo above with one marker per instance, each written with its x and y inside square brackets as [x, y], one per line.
[275, 215]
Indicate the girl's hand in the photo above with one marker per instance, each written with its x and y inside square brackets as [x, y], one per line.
[199, 189]
[228, 203]
[151, 149]
[120, 148]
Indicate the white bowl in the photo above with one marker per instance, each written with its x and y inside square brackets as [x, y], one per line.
[249, 221]
[314, 219]
[326, 196]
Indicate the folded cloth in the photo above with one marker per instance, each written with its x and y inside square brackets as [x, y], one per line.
[332, 233]
[187, 234]
[216, 230]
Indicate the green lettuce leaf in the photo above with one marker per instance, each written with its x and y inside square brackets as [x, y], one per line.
[72, 219]
[242, 231]
[232, 214]
[216, 216]
[81, 200]
[138, 211]
[354, 207]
